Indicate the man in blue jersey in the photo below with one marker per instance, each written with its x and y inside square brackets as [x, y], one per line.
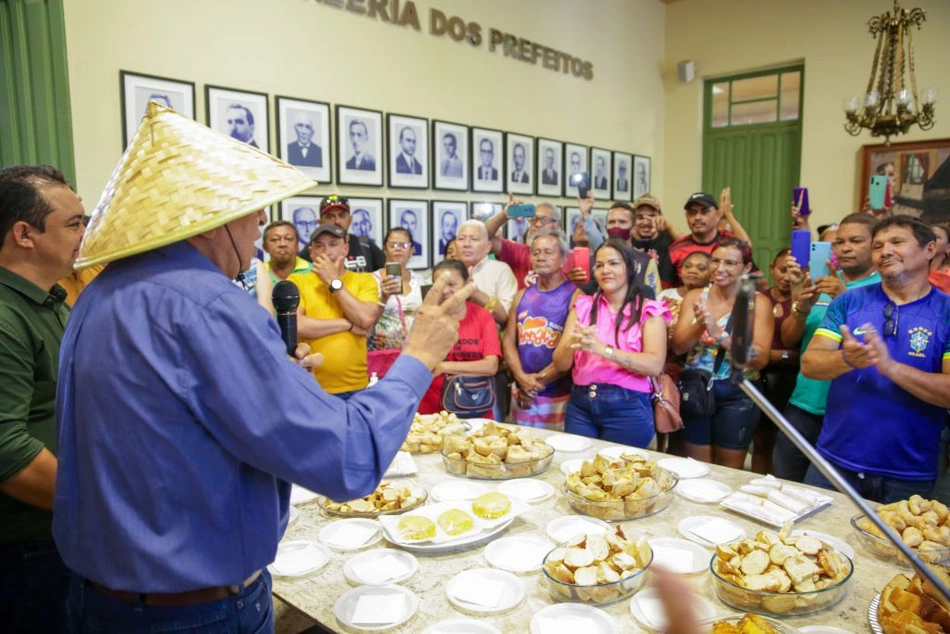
[806, 407]
[886, 350]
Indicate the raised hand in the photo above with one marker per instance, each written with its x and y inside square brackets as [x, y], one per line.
[586, 204]
[725, 202]
[831, 283]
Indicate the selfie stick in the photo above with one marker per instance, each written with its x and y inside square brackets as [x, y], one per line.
[743, 320]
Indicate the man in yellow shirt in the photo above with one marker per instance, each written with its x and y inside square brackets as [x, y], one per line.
[337, 310]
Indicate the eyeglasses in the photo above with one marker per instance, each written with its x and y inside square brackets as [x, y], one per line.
[542, 220]
[715, 263]
[398, 245]
[890, 319]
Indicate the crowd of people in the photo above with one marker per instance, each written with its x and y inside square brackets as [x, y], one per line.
[167, 371]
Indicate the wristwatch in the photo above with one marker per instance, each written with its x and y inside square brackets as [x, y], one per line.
[336, 285]
[797, 312]
[491, 303]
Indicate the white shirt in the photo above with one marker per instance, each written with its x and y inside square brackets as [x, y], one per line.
[496, 279]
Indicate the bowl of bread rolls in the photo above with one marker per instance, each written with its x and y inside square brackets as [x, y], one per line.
[922, 524]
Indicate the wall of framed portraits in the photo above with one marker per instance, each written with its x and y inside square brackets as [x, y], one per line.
[378, 112]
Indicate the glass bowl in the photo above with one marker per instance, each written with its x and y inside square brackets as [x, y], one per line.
[498, 471]
[370, 514]
[619, 510]
[883, 548]
[779, 604]
[600, 594]
[733, 619]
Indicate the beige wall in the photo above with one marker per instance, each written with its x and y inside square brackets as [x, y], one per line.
[303, 49]
[732, 36]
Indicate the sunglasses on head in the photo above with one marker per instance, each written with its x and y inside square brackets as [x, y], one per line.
[890, 319]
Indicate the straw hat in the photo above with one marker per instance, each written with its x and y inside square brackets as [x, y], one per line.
[177, 179]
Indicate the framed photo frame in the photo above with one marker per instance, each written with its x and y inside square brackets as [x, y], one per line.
[240, 114]
[408, 151]
[138, 89]
[450, 165]
[447, 217]
[576, 161]
[601, 173]
[572, 217]
[413, 215]
[304, 213]
[907, 166]
[303, 136]
[259, 243]
[488, 161]
[368, 219]
[519, 158]
[623, 169]
[550, 167]
[641, 175]
[483, 210]
[359, 146]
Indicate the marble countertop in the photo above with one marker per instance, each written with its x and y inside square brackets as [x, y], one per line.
[316, 594]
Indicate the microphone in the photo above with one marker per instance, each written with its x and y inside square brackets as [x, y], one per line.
[286, 299]
[743, 320]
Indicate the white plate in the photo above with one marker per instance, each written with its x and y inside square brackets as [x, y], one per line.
[571, 466]
[402, 465]
[521, 554]
[679, 556]
[617, 451]
[457, 490]
[300, 495]
[873, 621]
[703, 490]
[575, 617]
[823, 629]
[484, 530]
[527, 490]
[685, 468]
[386, 566]
[838, 543]
[345, 606]
[461, 626]
[298, 558]
[564, 528]
[686, 525]
[568, 442]
[351, 534]
[507, 589]
[646, 609]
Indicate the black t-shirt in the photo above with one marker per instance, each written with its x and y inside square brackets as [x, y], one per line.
[364, 256]
[661, 246]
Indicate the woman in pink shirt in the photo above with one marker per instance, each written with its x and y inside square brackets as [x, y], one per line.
[616, 341]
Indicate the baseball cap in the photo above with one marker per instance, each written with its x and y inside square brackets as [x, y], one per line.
[704, 199]
[327, 228]
[647, 200]
[334, 202]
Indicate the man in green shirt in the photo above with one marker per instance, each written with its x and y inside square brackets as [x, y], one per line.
[41, 226]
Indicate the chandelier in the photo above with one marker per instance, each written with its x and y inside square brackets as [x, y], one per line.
[890, 107]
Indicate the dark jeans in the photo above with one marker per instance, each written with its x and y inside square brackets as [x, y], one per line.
[872, 487]
[733, 423]
[251, 611]
[787, 461]
[34, 582]
[611, 413]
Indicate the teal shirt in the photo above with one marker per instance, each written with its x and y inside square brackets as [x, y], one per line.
[810, 394]
[32, 322]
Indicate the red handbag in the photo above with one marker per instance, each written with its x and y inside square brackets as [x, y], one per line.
[666, 405]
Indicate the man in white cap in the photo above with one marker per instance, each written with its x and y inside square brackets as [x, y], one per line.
[181, 420]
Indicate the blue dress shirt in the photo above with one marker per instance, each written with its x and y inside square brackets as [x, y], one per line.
[181, 422]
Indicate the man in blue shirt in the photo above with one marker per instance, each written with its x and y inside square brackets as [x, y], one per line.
[886, 350]
[181, 421]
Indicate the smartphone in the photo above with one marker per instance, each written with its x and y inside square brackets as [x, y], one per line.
[801, 249]
[820, 251]
[582, 182]
[394, 269]
[579, 257]
[525, 210]
[800, 196]
[878, 192]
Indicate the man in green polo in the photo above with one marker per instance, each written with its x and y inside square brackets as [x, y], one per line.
[41, 226]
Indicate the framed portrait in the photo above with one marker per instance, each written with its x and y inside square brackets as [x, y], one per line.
[359, 146]
[641, 175]
[601, 172]
[488, 161]
[575, 162]
[240, 114]
[519, 157]
[550, 167]
[572, 218]
[303, 136]
[483, 210]
[907, 166]
[408, 139]
[447, 217]
[414, 216]
[367, 219]
[623, 168]
[304, 213]
[450, 166]
[138, 89]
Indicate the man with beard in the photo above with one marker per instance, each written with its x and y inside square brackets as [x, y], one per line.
[363, 256]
